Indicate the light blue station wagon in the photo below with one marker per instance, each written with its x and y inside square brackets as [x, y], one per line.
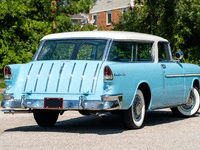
[95, 72]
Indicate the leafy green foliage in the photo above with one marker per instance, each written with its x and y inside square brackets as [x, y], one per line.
[1, 98]
[176, 20]
[88, 27]
[24, 22]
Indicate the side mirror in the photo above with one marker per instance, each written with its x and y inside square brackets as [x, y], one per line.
[179, 55]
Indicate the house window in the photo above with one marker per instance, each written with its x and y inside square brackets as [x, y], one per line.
[108, 18]
[95, 19]
[124, 10]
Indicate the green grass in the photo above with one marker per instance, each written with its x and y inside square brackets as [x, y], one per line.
[2, 84]
[1, 98]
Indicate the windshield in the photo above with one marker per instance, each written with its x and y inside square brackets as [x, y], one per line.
[73, 49]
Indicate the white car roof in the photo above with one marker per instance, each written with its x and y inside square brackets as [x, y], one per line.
[118, 35]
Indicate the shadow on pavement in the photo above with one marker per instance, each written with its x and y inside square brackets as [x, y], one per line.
[112, 124]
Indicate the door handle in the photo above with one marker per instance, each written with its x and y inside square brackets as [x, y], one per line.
[163, 65]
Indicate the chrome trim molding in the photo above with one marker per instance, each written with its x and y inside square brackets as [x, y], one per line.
[49, 76]
[183, 75]
[12, 103]
[83, 74]
[94, 78]
[28, 76]
[7, 96]
[71, 77]
[38, 51]
[107, 50]
[60, 75]
[38, 76]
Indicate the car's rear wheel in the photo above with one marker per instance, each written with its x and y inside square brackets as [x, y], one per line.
[190, 108]
[134, 116]
[46, 118]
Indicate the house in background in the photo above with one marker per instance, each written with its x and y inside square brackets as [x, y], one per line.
[81, 18]
[106, 11]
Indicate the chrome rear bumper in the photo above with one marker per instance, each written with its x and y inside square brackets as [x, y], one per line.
[107, 103]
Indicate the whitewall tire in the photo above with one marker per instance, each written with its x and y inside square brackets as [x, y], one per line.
[134, 116]
[191, 107]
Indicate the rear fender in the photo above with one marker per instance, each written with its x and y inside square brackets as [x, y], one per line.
[147, 99]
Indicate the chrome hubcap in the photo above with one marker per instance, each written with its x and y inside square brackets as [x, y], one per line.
[137, 108]
[190, 104]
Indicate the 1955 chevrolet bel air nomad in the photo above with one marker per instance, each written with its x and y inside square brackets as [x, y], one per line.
[99, 71]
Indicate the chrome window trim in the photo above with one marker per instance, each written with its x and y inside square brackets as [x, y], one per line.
[108, 49]
[38, 51]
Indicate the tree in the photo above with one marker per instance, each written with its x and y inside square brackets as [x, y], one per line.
[176, 20]
[24, 22]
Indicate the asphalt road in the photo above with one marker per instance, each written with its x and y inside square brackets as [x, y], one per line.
[161, 131]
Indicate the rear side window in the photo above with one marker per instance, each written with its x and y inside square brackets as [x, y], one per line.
[130, 51]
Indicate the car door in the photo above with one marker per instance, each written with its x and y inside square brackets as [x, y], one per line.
[173, 79]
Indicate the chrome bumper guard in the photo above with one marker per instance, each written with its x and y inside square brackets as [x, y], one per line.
[107, 103]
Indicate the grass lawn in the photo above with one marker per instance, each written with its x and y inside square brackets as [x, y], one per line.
[2, 84]
[1, 98]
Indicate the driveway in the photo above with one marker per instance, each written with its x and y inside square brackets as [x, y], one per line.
[161, 131]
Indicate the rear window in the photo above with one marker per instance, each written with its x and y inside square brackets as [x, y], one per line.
[72, 50]
[130, 51]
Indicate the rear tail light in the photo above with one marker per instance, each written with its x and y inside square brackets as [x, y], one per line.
[107, 73]
[7, 73]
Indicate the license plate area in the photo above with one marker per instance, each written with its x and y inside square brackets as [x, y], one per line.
[54, 103]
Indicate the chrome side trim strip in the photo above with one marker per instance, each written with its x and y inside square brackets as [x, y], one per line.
[183, 75]
[83, 74]
[49, 76]
[27, 76]
[192, 74]
[71, 77]
[38, 77]
[94, 77]
[60, 75]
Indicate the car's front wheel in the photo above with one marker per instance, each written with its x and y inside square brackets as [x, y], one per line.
[134, 116]
[46, 118]
[191, 107]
